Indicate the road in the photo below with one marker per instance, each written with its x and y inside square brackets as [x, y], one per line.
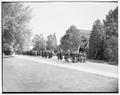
[27, 74]
[100, 68]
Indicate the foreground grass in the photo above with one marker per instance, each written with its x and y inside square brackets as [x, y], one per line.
[20, 75]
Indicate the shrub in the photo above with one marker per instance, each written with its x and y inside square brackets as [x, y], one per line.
[8, 50]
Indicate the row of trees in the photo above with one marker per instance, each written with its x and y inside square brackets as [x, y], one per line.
[40, 44]
[70, 41]
[103, 42]
[15, 31]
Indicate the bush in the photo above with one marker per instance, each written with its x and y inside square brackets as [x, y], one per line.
[8, 50]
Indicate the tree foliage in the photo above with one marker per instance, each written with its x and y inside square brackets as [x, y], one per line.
[39, 43]
[103, 42]
[96, 41]
[111, 29]
[15, 30]
[72, 39]
[51, 43]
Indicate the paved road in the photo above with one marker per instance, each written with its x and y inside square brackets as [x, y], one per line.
[91, 67]
[24, 75]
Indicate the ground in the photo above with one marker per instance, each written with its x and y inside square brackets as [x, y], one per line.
[21, 74]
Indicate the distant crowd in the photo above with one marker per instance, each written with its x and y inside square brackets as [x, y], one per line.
[69, 56]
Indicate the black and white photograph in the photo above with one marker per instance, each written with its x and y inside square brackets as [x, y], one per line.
[59, 46]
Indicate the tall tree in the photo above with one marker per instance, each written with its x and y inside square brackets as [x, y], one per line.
[15, 17]
[39, 43]
[96, 41]
[111, 31]
[51, 42]
[71, 40]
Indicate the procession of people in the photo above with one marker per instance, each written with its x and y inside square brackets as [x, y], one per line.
[69, 55]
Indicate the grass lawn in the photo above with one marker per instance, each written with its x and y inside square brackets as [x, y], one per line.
[20, 75]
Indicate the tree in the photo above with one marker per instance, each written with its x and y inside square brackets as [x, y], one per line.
[71, 39]
[39, 43]
[23, 41]
[15, 17]
[111, 43]
[96, 41]
[51, 42]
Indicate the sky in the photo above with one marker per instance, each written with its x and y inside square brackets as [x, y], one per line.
[57, 17]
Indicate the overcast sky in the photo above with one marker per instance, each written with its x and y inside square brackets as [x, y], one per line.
[58, 17]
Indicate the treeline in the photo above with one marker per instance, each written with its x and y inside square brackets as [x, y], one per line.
[40, 44]
[103, 40]
[16, 34]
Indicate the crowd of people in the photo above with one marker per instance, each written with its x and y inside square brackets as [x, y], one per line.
[69, 56]
[46, 54]
[72, 56]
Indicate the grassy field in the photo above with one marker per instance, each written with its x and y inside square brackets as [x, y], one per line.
[20, 75]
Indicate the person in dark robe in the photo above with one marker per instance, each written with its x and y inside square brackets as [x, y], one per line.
[61, 57]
